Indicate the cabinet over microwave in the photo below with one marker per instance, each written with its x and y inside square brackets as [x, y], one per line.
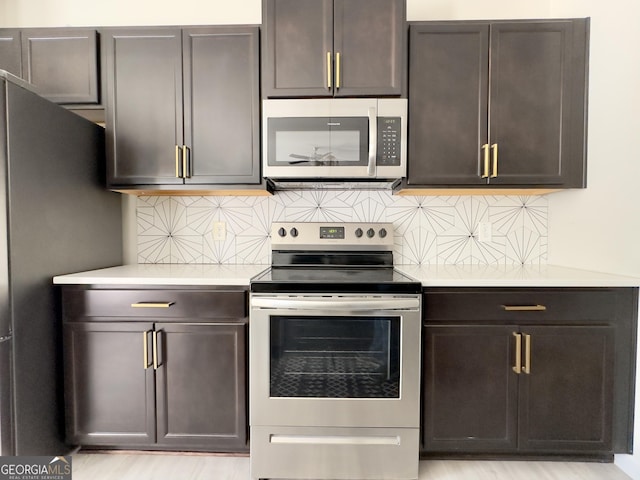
[348, 138]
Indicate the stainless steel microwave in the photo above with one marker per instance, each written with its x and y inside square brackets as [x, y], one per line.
[347, 138]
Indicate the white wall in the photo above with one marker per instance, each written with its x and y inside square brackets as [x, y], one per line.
[600, 227]
[43, 13]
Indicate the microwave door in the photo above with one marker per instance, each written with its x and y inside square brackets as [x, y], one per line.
[318, 147]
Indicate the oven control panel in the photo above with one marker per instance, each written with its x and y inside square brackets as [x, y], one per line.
[332, 235]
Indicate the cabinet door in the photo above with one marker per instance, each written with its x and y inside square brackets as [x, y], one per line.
[537, 119]
[201, 385]
[144, 106]
[297, 48]
[566, 400]
[470, 390]
[222, 105]
[448, 69]
[10, 48]
[369, 47]
[62, 63]
[109, 384]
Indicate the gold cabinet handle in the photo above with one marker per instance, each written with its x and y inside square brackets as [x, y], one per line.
[152, 304]
[145, 348]
[185, 162]
[338, 71]
[527, 354]
[178, 161]
[155, 349]
[494, 173]
[485, 171]
[524, 308]
[518, 364]
[329, 70]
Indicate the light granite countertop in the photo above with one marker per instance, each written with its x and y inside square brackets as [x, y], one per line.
[429, 276]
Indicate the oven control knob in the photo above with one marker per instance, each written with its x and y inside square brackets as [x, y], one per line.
[282, 232]
[294, 232]
[371, 232]
[358, 232]
[382, 233]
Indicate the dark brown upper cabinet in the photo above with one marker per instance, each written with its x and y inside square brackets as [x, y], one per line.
[182, 106]
[10, 51]
[62, 63]
[325, 48]
[498, 103]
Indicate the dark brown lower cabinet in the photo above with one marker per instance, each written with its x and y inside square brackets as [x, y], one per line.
[200, 385]
[564, 402]
[537, 372]
[109, 396]
[471, 394]
[155, 380]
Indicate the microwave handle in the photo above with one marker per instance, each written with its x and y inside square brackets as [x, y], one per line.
[373, 141]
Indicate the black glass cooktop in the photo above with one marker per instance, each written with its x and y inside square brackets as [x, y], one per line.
[296, 279]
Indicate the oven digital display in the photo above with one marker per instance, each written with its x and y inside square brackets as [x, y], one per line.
[331, 232]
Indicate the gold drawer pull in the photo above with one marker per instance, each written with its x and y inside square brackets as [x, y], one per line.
[524, 308]
[152, 304]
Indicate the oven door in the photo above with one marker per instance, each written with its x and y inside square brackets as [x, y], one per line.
[335, 361]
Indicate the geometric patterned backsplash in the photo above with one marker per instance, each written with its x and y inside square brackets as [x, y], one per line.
[428, 230]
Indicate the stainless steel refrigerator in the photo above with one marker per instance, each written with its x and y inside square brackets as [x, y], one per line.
[56, 217]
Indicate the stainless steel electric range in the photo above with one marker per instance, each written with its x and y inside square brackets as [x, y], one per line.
[334, 353]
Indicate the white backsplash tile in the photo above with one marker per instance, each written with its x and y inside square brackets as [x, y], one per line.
[429, 230]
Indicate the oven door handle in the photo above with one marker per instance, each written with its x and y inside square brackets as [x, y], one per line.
[336, 304]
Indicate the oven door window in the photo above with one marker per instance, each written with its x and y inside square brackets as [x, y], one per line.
[335, 357]
[318, 141]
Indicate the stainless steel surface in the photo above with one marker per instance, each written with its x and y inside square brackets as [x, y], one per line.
[373, 141]
[344, 304]
[334, 364]
[334, 453]
[335, 107]
[284, 185]
[307, 236]
[336, 412]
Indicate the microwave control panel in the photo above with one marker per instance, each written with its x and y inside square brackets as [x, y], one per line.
[388, 141]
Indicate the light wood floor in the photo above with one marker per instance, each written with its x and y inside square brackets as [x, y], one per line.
[135, 466]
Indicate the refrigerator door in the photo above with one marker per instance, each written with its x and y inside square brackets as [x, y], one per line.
[5, 311]
[6, 415]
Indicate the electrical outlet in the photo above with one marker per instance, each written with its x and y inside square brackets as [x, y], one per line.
[484, 232]
[219, 231]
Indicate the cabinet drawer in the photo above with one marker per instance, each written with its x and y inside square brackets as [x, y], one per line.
[149, 303]
[520, 305]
